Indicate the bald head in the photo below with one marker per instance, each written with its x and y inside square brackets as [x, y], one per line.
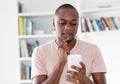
[65, 6]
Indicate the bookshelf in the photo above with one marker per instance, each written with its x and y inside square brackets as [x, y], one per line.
[107, 41]
[94, 12]
[34, 28]
[28, 42]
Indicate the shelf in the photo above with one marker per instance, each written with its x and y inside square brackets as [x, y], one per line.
[101, 33]
[38, 36]
[25, 59]
[26, 81]
[35, 14]
[99, 9]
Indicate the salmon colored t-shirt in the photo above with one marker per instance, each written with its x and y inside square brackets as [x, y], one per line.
[45, 57]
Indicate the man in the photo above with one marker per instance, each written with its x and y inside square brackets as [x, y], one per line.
[49, 61]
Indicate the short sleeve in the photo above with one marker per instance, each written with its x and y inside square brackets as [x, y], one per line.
[98, 64]
[38, 66]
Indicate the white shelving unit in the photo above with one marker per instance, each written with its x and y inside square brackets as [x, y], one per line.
[96, 13]
[108, 41]
[40, 21]
[26, 81]
[99, 10]
[37, 36]
[35, 14]
[25, 61]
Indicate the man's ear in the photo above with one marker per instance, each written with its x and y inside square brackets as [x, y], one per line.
[54, 22]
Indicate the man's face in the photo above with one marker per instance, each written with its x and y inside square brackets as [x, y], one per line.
[66, 24]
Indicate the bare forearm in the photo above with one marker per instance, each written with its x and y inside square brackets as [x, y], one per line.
[87, 81]
[56, 74]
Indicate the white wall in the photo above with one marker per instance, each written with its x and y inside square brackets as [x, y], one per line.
[86, 4]
[109, 45]
[8, 42]
[43, 5]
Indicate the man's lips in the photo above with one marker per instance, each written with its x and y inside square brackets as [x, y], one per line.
[66, 35]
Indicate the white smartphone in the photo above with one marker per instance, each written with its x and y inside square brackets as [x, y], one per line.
[73, 59]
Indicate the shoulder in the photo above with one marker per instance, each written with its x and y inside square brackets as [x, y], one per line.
[86, 44]
[45, 46]
[91, 48]
[42, 49]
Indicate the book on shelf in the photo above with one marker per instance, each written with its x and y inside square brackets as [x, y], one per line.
[89, 23]
[84, 25]
[22, 71]
[20, 26]
[29, 27]
[23, 48]
[25, 26]
[27, 47]
[25, 71]
[101, 24]
[116, 22]
[32, 45]
[110, 23]
[95, 26]
[20, 7]
[99, 27]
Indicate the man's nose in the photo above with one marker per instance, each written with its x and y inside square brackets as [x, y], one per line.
[68, 27]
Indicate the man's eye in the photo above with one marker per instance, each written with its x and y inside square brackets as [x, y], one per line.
[73, 24]
[62, 23]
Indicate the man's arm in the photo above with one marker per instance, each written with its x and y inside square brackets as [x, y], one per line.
[54, 76]
[99, 78]
[80, 76]
[39, 79]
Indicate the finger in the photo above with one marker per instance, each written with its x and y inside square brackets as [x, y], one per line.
[63, 44]
[67, 39]
[82, 65]
[76, 68]
[77, 82]
[69, 79]
[73, 73]
[69, 71]
[70, 76]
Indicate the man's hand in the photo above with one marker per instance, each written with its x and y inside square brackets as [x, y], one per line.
[64, 50]
[79, 76]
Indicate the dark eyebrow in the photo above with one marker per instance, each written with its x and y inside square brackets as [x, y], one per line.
[71, 20]
[74, 20]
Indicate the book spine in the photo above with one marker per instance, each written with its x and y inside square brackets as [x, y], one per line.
[29, 27]
[24, 48]
[89, 24]
[110, 24]
[20, 26]
[105, 23]
[117, 22]
[95, 25]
